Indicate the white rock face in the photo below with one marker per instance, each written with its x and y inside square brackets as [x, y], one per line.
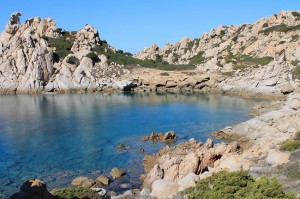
[164, 189]
[276, 158]
[28, 64]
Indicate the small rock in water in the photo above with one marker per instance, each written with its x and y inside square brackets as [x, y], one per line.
[117, 173]
[83, 182]
[103, 179]
[142, 150]
[125, 186]
[121, 147]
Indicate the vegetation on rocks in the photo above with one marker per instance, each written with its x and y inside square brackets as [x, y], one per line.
[164, 74]
[62, 44]
[237, 184]
[198, 59]
[126, 59]
[75, 192]
[290, 145]
[245, 61]
[296, 15]
[296, 72]
[280, 28]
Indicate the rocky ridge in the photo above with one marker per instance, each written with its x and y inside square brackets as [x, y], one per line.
[31, 59]
[256, 58]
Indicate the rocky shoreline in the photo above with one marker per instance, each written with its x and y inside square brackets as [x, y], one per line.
[255, 146]
[225, 62]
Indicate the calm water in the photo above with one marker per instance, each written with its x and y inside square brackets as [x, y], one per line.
[58, 137]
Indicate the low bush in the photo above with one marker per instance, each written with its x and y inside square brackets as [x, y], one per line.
[279, 28]
[245, 61]
[295, 38]
[198, 59]
[296, 15]
[237, 184]
[164, 74]
[290, 145]
[296, 72]
[75, 192]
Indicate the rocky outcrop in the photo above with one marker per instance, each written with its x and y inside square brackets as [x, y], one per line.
[186, 159]
[33, 189]
[31, 59]
[254, 58]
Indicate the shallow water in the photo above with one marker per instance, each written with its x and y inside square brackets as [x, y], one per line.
[58, 137]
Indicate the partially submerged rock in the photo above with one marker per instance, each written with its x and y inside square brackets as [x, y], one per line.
[83, 182]
[103, 179]
[33, 189]
[169, 136]
[117, 173]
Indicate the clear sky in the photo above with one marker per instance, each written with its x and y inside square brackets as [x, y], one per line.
[132, 25]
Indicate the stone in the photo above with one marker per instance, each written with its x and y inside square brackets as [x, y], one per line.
[117, 173]
[277, 158]
[287, 88]
[164, 189]
[169, 136]
[189, 164]
[103, 179]
[83, 182]
[35, 189]
[188, 181]
[100, 191]
[121, 147]
[142, 150]
[79, 181]
[88, 183]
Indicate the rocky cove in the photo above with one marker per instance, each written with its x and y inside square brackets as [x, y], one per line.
[252, 60]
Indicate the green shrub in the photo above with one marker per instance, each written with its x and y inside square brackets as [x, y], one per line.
[72, 192]
[296, 15]
[229, 74]
[296, 72]
[290, 145]
[198, 59]
[164, 74]
[127, 59]
[279, 28]
[295, 62]
[245, 61]
[237, 185]
[293, 171]
[93, 57]
[295, 38]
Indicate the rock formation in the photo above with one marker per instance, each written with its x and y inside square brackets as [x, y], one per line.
[253, 58]
[30, 60]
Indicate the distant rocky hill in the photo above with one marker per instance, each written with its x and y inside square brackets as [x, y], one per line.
[263, 57]
[260, 57]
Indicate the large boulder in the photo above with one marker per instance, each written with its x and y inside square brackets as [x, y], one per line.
[33, 189]
[117, 173]
[164, 189]
[277, 158]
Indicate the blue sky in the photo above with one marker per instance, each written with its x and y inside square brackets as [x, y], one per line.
[132, 25]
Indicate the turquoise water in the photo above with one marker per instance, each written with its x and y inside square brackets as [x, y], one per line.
[58, 137]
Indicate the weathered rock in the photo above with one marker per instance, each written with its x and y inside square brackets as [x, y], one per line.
[103, 179]
[79, 181]
[33, 189]
[188, 181]
[276, 158]
[287, 88]
[117, 173]
[189, 164]
[164, 189]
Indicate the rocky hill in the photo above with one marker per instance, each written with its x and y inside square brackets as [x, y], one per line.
[37, 56]
[259, 57]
